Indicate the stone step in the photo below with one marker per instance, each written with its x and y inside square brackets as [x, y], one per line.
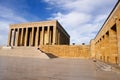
[23, 52]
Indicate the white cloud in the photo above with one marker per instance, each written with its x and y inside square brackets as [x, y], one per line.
[73, 18]
[80, 5]
[81, 18]
[7, 16]
[79, 25]
[3, 32]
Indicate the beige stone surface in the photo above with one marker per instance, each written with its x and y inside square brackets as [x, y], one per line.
[23, 52]
[92, 49]
[19, 68]
[107, 40]
[68, 51]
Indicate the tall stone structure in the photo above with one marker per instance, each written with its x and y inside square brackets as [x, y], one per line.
[106, 44]
[38, 33]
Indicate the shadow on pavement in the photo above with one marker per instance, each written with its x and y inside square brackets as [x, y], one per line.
[51, 55]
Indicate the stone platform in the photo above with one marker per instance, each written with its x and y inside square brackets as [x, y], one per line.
[32, 52]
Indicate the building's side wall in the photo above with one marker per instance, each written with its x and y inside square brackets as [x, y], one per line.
[118, 38]
[107, 41]
[67, 51]
[62, 36]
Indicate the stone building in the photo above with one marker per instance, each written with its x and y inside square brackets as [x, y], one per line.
[38, 33]
[106, 45]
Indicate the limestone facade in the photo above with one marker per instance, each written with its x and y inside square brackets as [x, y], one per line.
[67, 51]
[106, 45]
[38, 33]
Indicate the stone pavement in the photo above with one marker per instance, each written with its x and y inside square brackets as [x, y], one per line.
[18, 68]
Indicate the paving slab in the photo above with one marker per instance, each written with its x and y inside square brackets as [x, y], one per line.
[18, 68]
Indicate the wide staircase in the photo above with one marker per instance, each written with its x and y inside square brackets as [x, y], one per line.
[32, 52]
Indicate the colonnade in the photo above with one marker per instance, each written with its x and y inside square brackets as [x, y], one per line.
[32, 36]
[106, 48]
[106, 44]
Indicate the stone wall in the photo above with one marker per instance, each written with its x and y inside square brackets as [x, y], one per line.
[92, 48]
[107, 42]
[68, 51]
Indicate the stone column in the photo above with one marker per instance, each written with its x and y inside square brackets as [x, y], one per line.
[42, 36]
[37, 35]
[54, 35]
[102, 48]
[14, 38]
[106, 44]
[103, 45]
[118, 39]
[50, 42]
[113, 44]
[58, 37]
[32, 36]
[21, 41]
[17, 39]
[26, 37]
[9, 37]
[48, 33]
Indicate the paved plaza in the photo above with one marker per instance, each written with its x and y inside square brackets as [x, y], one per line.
[18, 68]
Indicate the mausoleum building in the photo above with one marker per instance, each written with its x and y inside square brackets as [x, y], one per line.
[38, 33]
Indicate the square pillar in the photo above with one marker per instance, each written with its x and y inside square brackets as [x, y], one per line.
[14, 37]
[32, 36]
[42, 36]
[9, 37]
[48, 34]
[21, 41]
[58, 37]
[107, 48]
[54, 35]
[26, 37]
[37, 36]
[17, 39]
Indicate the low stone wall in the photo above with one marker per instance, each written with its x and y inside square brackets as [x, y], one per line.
[67, 51]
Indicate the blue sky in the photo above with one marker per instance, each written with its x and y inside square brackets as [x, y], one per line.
[81, 18]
